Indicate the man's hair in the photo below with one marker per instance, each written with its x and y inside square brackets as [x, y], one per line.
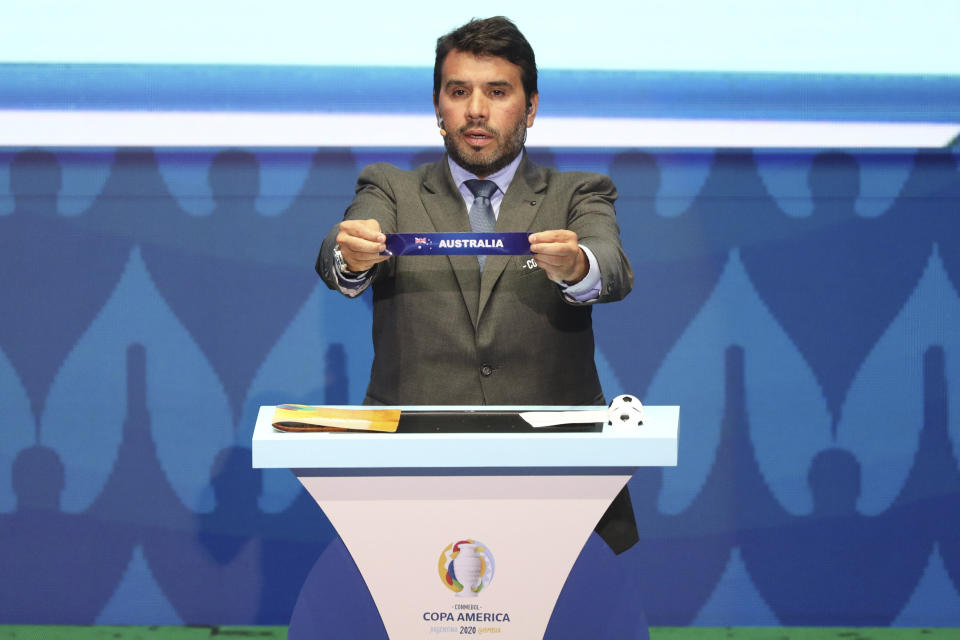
[496, 36]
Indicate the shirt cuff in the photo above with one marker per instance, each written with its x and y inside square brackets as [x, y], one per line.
[353, 285]
[587, 289]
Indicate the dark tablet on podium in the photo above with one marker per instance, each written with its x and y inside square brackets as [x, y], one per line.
[478, 421]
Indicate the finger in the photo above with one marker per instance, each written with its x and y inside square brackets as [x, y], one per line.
[552, 235]
[366, 264]
[365, 229]
[358, 243]
[363, 263]
[364, 249]
[555, 249]
[362, 234]
[554, 262]
[356, 258]
[552, 270]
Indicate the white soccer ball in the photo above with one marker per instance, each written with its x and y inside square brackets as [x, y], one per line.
[625, 411]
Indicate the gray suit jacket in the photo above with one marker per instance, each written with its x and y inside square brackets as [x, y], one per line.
[444, 333]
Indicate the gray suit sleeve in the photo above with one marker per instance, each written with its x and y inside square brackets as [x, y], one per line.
[594, 219]
[374, 199]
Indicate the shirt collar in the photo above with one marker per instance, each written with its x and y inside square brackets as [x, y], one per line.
[502, 178]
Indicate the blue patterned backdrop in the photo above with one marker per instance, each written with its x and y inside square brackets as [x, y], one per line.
[802, 308]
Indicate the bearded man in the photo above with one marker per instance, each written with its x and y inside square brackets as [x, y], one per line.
[499, 330]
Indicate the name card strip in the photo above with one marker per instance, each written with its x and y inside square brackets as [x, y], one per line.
[457, 244]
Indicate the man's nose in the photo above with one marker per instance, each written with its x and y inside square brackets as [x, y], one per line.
[478, 106]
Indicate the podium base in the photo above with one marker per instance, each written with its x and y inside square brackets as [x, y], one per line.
[522, 534]
[601, 600]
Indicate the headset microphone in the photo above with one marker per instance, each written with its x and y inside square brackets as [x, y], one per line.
[443, 131]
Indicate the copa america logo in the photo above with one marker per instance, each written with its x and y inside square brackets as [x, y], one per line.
[466, 567]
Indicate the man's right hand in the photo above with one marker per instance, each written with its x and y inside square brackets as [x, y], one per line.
[361, 243]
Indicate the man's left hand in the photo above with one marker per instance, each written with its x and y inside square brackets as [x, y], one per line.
[559, 254]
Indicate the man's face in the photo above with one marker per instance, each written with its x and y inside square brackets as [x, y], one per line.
[484, 111]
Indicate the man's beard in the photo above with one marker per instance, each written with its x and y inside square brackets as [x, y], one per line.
[474, 161]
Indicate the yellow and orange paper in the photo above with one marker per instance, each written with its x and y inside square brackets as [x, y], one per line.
[303, 417]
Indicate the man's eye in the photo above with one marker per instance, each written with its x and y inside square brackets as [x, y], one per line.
[459, 92]
[497, 92]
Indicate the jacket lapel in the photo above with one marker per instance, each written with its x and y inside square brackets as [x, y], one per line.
[444, 205]
[517, 212]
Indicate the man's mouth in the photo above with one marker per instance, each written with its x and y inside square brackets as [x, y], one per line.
[477, 137]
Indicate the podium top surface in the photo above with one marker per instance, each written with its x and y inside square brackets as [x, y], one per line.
[652, 444]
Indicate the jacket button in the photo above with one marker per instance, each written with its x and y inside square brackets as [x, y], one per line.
[486, 371]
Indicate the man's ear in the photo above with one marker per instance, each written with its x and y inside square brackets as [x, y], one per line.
[532, 105]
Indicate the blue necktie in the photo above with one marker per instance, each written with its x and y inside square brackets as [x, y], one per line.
[482, 219]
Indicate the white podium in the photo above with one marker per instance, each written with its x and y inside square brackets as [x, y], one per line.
[467, 533]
